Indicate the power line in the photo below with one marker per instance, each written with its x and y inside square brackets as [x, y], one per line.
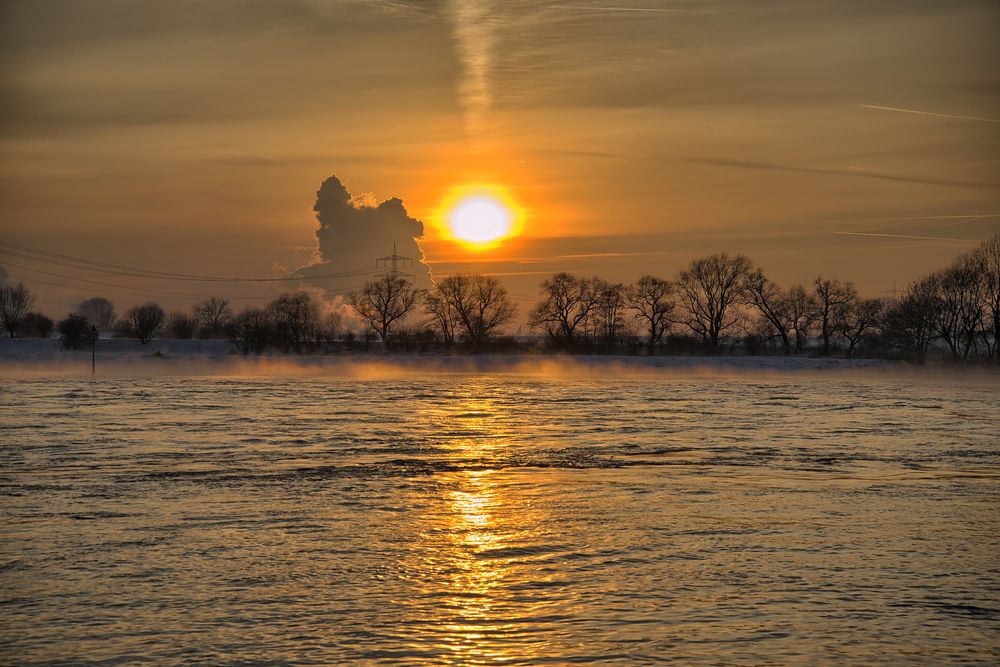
[76, 279]
[36, 254]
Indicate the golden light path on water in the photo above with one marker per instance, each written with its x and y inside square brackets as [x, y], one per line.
[481, 519]
[474, 524]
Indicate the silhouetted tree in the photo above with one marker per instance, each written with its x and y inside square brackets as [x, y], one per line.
[384, 303]
[960, 305]
[860, 319]
[652, 299]
[143, 322]
[988, 258]
[99, 311]
[443, 315]
[773, 305]
[35, 325]
[329, 327]
[212, 316]
[566, 303]
[295, 318]
[608, 314]
[250, 330]
[181, 325]
[909, 323]
[802, 312]
[709, 288]
[478, 305]
[15, 300]
[832, 298]
[76, 332]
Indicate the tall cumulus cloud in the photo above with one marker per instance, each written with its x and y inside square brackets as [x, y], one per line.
[353, 235]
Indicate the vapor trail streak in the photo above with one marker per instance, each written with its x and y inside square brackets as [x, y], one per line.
[621, 9]
[905, 236]
[928, 113]
[473, 32]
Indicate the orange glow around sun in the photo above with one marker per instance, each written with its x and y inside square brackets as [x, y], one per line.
[479, 216]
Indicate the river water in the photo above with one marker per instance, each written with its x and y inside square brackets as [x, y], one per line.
[478, 518]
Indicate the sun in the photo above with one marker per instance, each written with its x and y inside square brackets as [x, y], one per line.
[479, 217]
[479, 220]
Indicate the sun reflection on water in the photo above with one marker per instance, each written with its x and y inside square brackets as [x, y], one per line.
[471, 534]
[474, 579]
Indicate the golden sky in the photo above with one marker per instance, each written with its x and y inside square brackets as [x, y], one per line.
[858, 139]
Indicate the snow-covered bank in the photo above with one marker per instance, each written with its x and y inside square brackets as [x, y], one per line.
[119, 357]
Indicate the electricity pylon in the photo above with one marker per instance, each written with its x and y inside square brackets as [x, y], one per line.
[392, 263]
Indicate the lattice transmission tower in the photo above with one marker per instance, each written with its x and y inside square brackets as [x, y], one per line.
[392, 263]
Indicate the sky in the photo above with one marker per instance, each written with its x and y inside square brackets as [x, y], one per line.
[860, 140]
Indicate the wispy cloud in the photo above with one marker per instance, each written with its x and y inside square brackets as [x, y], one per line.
[597, 8]
[929, 113]
[473, 28]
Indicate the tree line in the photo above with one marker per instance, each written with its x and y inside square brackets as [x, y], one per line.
[717, 304]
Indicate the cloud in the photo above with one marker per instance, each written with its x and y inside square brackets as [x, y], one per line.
[649, 10]
[353, 236]
[474, 31]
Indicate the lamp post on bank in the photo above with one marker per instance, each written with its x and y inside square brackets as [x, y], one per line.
[94, 333]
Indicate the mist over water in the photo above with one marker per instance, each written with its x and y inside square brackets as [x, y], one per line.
[477, 517]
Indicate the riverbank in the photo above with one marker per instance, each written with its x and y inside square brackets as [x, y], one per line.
[218, 357]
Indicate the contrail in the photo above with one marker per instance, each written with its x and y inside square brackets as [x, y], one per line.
[906, 236]
[473, 31]
[748, 164]
[971, 216]
[621, 9]
[929, 113]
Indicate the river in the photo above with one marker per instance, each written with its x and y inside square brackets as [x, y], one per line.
[501, 518]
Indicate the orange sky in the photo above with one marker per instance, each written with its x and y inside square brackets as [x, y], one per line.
[857, 139]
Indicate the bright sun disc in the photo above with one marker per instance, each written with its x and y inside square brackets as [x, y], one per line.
[479, 216]
[479, 219]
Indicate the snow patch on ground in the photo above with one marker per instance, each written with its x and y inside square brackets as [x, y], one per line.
[218, 357]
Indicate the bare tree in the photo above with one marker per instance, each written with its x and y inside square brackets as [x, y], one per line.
[212, 315]
[709, 288]
[329, 328]
[15, 300]
[802, 313]
[181, 325]
[653, 302]
[250, 331]
[76, 332]
[478, 304]
[36, 325]
[910, 322]
[959, 292]
[384, 303]
[988, 259]
[99, 312]
[861, 319]
[143, 322]
[609, 311]
[773, 305]
[566, 303]
[443, 314]
[295, 318]
[832, 298]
